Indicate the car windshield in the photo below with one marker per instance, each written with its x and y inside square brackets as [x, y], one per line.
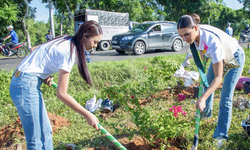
[140, 28]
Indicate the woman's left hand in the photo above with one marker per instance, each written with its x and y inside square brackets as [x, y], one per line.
[201, 104]
[48, 80]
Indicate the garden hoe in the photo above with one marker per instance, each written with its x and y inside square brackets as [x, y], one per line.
[198, 114]
[107, 134]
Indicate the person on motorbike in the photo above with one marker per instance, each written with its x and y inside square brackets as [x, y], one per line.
[49, 36]
[14, 39]
[247, 29]
[229, 30]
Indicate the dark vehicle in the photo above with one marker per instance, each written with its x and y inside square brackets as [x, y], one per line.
[148, 35]
[19, 49]
[244, 36]
[132, 24]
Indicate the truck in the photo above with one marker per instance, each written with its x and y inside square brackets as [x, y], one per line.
[111, 23]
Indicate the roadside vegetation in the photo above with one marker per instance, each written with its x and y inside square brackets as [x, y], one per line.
[129, 82]
[22, 16]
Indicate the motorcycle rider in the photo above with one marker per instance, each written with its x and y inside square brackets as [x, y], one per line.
[14, 39]
[229, 30]
[247, 29]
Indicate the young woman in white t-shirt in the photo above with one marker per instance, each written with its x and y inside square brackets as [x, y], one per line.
[57, 55]
[216, 45]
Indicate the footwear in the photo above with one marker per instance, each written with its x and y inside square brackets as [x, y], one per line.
[219, 142]
[106, 106]
[209, 120]
[10, 53]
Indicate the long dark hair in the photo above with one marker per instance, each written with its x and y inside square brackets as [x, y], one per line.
[87, 30]
[186, 21]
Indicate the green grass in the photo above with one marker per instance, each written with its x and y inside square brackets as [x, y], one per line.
[119, 73]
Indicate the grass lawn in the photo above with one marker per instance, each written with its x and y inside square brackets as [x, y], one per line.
[144, 119]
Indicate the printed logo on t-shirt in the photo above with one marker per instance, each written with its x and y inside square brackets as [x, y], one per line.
[205, 48]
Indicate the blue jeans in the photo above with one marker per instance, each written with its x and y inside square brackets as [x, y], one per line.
[227, 91]
[26, 95]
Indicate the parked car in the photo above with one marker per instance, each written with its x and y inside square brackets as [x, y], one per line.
[148, 35]
[133, 24]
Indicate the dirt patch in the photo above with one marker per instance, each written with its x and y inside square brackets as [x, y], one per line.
[57, 121]
[138, 143]
[9, 133]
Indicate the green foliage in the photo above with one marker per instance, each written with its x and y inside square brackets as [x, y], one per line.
[8, 13]
[120, 80]
[128, 96]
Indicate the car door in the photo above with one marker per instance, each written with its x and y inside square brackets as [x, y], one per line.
[167, 32]
[155, 37]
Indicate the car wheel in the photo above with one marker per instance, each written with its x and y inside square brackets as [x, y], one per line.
[120, 52]
[139, 48]
[177, 45]
[104, 45]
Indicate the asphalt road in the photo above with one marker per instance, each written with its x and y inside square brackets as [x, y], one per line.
[9, 63]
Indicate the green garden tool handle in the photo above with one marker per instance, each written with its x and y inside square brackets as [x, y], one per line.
[111, 138]
[54, 84]
[107, 134]
[198, 113]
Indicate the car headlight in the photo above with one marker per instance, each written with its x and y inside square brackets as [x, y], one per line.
[127, 37]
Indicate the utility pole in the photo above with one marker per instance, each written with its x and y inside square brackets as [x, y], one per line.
[209, 14]
[51, 17]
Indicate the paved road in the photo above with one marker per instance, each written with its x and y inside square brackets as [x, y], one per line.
[12, 62]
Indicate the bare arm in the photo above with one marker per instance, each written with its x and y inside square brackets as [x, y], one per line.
[218, 73]
[34, 48]
[6, 37]
[62, 94]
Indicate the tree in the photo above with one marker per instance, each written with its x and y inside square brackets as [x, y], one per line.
[246, 3]
[174, 9]
[139, 10]
[8, 15]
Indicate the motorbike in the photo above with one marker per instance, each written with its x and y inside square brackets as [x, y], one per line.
[19, 49]
[244, 36]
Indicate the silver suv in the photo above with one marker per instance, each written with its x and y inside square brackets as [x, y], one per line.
[148, 35]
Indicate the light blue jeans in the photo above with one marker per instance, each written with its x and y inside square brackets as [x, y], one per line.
[26, 95]
[227, 91]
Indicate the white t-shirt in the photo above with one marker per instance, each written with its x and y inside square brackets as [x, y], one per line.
[44, 61]
[213, 46]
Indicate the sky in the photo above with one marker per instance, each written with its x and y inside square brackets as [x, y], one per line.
[43, 12]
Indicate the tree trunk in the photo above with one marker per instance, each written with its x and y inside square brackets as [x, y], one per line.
[68, 9]
[78, 6]
[51, 18]
[24, 25]
[61, 25]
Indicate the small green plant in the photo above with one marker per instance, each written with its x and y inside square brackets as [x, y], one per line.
[161, 125]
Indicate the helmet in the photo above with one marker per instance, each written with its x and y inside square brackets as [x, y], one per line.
[228, 24]
[49, 30]
[10, 27]
[247, 25]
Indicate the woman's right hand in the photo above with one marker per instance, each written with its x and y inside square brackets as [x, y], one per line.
[92, 120]
[48, 80]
